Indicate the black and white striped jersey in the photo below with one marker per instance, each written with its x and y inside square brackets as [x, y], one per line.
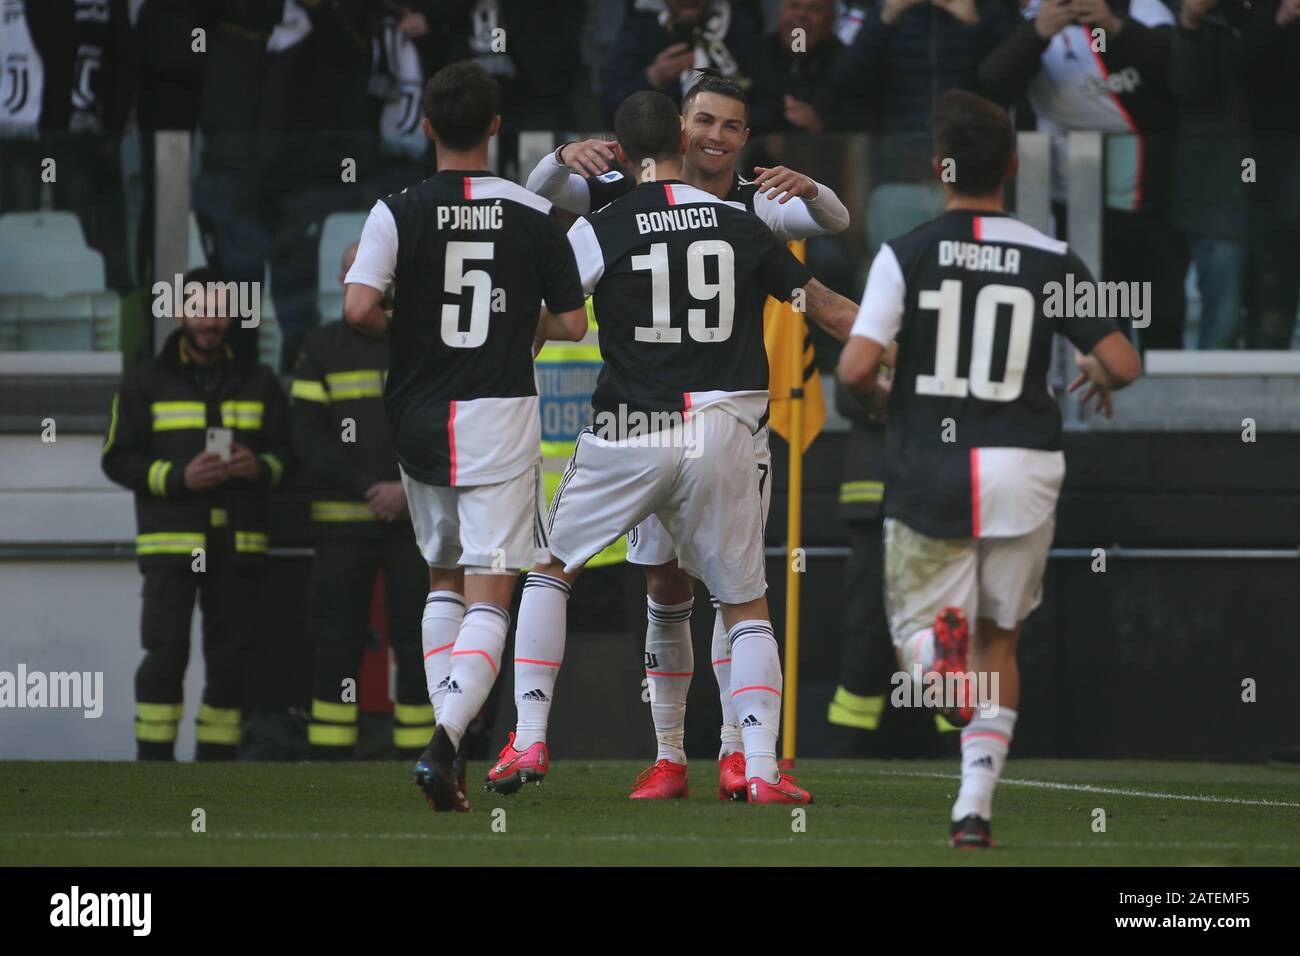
[974, 434]
[472, 258]
[678, 279]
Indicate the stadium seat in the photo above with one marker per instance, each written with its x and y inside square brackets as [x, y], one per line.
[341, 229]
[55, 324]
[45, 253]
[898, 208]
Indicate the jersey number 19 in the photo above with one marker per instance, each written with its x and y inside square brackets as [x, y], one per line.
[701, 289]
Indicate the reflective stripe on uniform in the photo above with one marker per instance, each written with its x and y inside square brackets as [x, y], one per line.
[173, 416]
[414, 714]
[215, 734]
[155, 731]
[943, 725]
[411, 738]
[157, 480]
[158, 713]
[217, 517]
[342, 511]
[332, 735]
[309, 390]
[222, 716]
[276, 466]
[168, 542]
[332, 712]
[362, 383]
[852, 710]
[852, 492]
[251, 542]
[112, 427]
[246, 415]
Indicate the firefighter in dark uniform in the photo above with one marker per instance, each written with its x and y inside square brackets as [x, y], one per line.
[201, 520]
[868, 661]
[361, 525]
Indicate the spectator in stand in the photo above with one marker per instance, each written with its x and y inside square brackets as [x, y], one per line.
[802, 52]
[65, 92]
[532, 47]
[908, 52]
[1209, 199]
[284, 106]
[663, 44]
[1123, 92]
[1272, 56]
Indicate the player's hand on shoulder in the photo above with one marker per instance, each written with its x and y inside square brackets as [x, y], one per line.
[590, 157]
[780, 181]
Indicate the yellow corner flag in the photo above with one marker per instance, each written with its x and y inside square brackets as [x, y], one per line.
[784, 332]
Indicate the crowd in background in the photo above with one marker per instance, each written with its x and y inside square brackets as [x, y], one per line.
[1200, 100]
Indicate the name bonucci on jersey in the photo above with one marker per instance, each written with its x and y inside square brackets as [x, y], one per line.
[677, 220]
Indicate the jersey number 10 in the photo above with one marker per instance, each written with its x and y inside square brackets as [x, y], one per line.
[947, 302]
[702, 290]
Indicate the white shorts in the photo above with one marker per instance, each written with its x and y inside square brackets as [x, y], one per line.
[996, 578]
[650, 544]
[486, 529]
[709, 505]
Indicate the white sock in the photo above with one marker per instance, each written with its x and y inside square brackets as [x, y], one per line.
[443, 613]
[918, 654]
[721, 657]
[669, 665]
[539, 650]
[984, 745]
[475, 662]
[756, 693]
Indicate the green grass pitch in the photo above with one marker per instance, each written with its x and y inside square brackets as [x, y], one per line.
[867, 813]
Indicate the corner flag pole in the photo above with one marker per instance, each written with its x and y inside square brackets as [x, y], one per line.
[794, 523]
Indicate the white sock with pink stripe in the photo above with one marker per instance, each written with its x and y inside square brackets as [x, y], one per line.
[475, 663]
[669, 665]
[443, 613]
[721, 658]
[917, 654]
[539, 651]
[756, 695]
[984, 745]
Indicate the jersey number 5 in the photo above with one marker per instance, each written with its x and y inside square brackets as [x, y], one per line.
[455, 279]
[701, 289]
[947, 302]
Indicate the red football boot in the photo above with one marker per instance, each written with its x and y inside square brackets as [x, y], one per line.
[785, 790]
[951, 648]
[514, 768]
[731, 777]
[664, 781]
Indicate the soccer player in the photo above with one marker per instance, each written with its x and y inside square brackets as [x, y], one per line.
[678, 278]
[472, 257]
[579, 177]
[973, 444]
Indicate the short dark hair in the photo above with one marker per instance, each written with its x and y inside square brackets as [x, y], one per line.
[460, 101]
[648, 126]
[977, 135]
[718, 85]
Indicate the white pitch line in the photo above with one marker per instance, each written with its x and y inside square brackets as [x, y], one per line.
[1088, 788]
[1104, 844]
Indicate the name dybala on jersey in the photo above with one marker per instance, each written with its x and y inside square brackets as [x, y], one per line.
[472, 257]
[678, 278]
[974, 435]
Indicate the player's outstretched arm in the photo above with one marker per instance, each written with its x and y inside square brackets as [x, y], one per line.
[1112, 364]
[565, 327]
[795, 206]
[557, 181]
[859, 363]
[363, 309]
[829, 309]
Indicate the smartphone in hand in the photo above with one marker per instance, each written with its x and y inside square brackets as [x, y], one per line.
[218, 440]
